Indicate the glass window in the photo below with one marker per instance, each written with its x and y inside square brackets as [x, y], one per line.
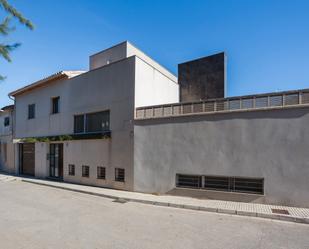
[6, 121]
[55, 105]
[97, 122]
[31, 111]
[79, 124]
[91, 122]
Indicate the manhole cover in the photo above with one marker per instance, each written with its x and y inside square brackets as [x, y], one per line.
[280, 211]
[119, 200]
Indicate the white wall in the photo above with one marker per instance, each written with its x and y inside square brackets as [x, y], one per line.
[106, 88]
[108, 56]
[152, 87]
[92, 153]
[7, 162]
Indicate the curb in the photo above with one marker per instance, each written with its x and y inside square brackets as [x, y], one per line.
[287, 218]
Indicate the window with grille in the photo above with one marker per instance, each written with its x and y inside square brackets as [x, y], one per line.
[188, 181]
[101, 172]
[221, 183]
[216, 183]
[6, 121]
[71, 169]
[31, 111]
[119, 175]
[92, 122]
[85, 171]
[55, 105]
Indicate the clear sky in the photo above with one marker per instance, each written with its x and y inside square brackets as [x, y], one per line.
[266, 41]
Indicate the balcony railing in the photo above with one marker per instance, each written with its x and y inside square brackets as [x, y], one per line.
[233, 104]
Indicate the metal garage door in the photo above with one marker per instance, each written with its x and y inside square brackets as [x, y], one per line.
[27, 158]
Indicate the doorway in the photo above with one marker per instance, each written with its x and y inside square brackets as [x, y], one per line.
[27, 158]
[56, 160]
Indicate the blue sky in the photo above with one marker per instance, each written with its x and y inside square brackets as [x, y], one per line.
[267, 42]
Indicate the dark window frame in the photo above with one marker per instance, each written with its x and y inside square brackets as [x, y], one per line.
[120, 174]
[101, 172]
[86, 118]
[71, 169]
[55, 105]
[85, 171]
[6, 121]
[31, 111]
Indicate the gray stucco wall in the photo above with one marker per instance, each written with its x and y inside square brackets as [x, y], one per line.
[272, 144]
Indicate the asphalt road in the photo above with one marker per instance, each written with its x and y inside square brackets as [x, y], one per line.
[33, 216]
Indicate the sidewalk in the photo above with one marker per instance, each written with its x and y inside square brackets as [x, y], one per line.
[300, 215]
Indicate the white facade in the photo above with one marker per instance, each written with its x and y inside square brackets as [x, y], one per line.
[129, 79]
[7, 152]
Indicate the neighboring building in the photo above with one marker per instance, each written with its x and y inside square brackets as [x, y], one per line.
[7, 157]
[127, 124]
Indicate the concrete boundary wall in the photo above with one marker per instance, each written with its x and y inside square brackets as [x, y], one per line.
[269, 144]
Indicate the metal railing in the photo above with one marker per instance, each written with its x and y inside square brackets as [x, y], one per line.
[243, 103]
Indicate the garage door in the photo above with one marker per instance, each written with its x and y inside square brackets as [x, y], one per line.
[27, 159]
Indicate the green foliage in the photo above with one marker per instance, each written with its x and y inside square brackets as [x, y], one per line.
[5, 29]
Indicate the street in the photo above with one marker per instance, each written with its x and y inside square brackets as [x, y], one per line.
[33, 216]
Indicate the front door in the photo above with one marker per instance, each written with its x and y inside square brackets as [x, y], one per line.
[27, 156]
[56, 160]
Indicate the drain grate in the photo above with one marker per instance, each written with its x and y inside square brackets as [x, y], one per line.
[120, 200]
[280, 211]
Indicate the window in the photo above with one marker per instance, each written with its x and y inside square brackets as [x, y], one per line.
[85, 171]
[216, 183]
[222, 183]
[119, 175]
[101, 173]
[31, 111]
[188, 181]
[6, 121]
[71, 170]
[55, 105]
[91, 122]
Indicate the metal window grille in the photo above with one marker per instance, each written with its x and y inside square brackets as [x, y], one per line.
[188, 181]
[248, 185]
[221, 183]
[216, 183]
[101, 174]
[71, 169]
[85, 171]
[119, 175]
